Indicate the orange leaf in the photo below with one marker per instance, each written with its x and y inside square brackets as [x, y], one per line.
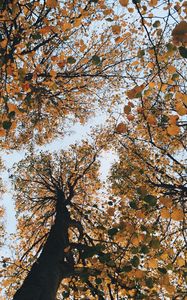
[116, 29]
[66, 249]
[151, 120]
[111, 211]
[166, 202]
[124, 2]
[130, 117]
[121, 128]
[165, 213]
[153, 263]
[179, 33]
[45, 29]
[177, 214]
[135, 92]
[181, 109]
[139, 274]
[2, 132]
[173, 119]
[173, 130]
[153, 2]
[51, 3]
[127, 109]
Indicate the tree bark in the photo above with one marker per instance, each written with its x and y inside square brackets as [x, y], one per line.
[46, 274]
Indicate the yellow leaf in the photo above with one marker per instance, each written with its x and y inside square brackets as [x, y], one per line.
[173, 130]
[124, 2]
[153, 263]
[121, 128]
[165, 213]
[177, 214]
[164, 256]
[180, 261]
[116, 29]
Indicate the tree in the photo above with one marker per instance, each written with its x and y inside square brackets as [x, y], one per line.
[124, 239]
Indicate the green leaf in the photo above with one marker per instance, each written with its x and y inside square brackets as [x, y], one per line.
[109, 19]
[156, 24]
[133, 204]
[136, 1]
[143, 228]
[84, 277]
[7, 124]
[112, 231]
[36, 36]
[111, 263]
[141, 53]
[91, 251]
[71, 60]
[65, 294]
[135, 250]
[127, 268]
[11, 114]
[98, 281]
[170, 47]
[144, 249]
[154, 243]
[104, 257]
[183, 52]
[151, 200]
[175, 76]
[96, 60]
[149, 282]
[135, 261]
[162, 270]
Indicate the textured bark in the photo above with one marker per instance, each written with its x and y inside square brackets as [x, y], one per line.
[51, 267]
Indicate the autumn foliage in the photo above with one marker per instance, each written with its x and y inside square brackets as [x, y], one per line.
[63, 62]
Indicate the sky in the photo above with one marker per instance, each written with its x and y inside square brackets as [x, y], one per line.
[77, 133]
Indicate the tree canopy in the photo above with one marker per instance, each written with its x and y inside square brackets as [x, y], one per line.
[79, 237]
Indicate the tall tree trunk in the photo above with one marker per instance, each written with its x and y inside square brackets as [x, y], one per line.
[51, 267]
